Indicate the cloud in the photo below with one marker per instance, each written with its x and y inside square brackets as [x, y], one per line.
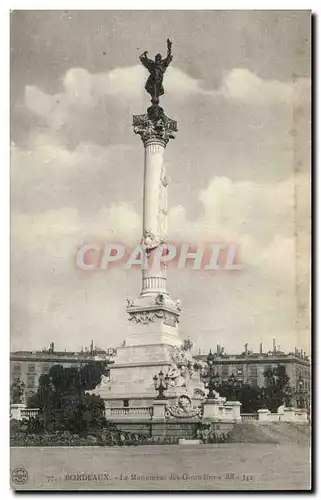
[245, 212]
[53, 296]
[47, 175]
[231, 208]
[98, 108]
[243, 85]
[84, 90]
[67, 189]
[257, 218]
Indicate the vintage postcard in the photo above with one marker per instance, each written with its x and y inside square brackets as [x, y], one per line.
[160, 250]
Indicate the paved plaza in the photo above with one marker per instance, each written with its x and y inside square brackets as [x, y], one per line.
[236, 466]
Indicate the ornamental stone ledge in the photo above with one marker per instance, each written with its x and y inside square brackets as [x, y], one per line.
[153, 308]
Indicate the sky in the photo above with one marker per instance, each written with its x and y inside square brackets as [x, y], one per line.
[239, 168]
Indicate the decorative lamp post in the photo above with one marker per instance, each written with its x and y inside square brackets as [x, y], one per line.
[216, 379]
[210, 379]
[234, 383]
[161, 384]
[210, 359]
[300, 394]
[263, 398]
[288, 391]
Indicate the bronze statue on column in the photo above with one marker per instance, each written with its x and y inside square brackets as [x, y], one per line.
[156, 68]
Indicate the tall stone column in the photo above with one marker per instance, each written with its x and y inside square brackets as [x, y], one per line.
[154, 310]
[151, 345]
[154, 214]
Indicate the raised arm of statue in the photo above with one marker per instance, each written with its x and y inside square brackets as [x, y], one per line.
[166, 62]
[148, 63]
[169, 46]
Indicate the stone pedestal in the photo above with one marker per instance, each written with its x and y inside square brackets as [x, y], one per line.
[211, 409]
[264, 415]
[15, 410]
[288, 415]
[131, 376]
[301, 415]
[159, 409]
[236, 405]
[150, 326]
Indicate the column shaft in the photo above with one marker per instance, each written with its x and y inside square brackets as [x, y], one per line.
[154, 213]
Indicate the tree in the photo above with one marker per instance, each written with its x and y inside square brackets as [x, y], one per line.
[248, 395]
[276, 392]
[63, 403]
[91, 374]
[16, 391]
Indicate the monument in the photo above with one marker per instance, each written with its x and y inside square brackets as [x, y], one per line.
[154, 375]
[154, 345]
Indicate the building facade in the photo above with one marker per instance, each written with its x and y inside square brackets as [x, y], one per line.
[250, 367]
[27, 366]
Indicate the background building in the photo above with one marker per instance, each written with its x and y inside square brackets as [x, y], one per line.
[250, 366]
[27, 366]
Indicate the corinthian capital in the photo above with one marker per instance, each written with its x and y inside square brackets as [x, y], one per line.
[163, 129]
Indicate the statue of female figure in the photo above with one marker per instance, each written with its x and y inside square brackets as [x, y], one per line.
[157, 68]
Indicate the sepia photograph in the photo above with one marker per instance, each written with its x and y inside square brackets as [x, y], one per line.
[160, 250]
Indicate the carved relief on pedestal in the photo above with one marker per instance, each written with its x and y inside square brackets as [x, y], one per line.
[183, 409]
[159, 300]
[171, 319]
[129, 302]
[182, 373]
[105, 384]
[146, 317]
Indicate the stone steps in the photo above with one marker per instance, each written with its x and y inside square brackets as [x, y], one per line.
[277, 432]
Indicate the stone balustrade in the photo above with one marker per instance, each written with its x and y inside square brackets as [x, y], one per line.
[30, 412]
[246, 417]
[298, 415]
[140, 412]
[21, 412]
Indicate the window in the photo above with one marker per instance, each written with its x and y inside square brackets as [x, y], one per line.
[16, 369]
[30, 381]
[253, 370]
[253, 381]
[225, 371]
[45, 368]
[126, 403]
[239, 370]
[31, 368]
[29, 395]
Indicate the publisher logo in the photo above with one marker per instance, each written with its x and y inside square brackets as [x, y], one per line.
[19, 475]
